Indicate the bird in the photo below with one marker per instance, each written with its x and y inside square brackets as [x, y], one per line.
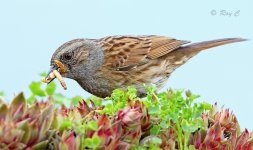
[101, 65]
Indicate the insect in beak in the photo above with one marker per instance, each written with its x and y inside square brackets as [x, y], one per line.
[55, 72]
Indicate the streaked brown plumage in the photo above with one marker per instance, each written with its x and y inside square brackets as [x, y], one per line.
[102, 65]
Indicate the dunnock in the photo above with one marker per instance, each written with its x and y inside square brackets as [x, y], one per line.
[102, 65]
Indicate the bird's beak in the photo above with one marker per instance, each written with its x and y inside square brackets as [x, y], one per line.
[59, 66]
[49, 78]
[55, 71]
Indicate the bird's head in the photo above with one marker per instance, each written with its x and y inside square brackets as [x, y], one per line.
[69, 58]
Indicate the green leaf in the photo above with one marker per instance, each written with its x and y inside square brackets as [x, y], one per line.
[187, 113]
[192, 97]
[98, 101]
[30, 99]
[152, 140]
[1, 93]
[109, 108]
[206, 105]
[87, 142]
[153, 110]
[155, 130]
[61, 99]
[43, 74]
[154, 147]
[190, 127]
[50, 88]
[75, 100]
[139, 147]
[192, 147]
[173, 116]
[131, 91]
[66, 124]
[151, 88]
[92, 142]
[164, 124]
[186, 126]
[95, 140]
[92, 125]
[35, 88]
[199, 122]
[119, 95]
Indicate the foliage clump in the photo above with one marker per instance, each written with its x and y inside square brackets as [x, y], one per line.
[166, 120]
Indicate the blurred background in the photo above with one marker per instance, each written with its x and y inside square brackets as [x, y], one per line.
[30, 31]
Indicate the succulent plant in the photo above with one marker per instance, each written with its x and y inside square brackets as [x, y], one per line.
[29, 127]
[26, 127]
[221, 132]
[167, 120]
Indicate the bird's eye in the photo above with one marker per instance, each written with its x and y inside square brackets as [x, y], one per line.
[67, 56]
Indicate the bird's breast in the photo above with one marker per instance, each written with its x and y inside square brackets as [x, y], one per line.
[95, 86]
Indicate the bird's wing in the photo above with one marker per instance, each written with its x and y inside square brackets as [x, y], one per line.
[126, 52]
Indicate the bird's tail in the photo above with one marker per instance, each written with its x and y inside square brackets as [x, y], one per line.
[195, 47]
[184, 53]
